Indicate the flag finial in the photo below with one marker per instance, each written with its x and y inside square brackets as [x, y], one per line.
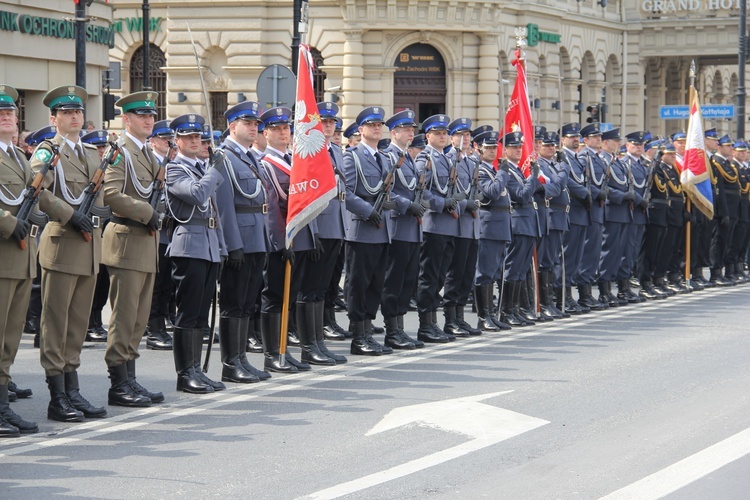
[692, 73]
[521, 33]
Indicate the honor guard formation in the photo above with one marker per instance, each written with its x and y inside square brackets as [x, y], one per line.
[426, 217]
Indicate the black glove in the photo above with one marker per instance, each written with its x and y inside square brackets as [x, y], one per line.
[473, 205]
[316, 252]
[425, 203]
[459, 196]
[375, 218]
[236, 259]
[216, 159]
[628, 196]
[725, 221]
[81, 223]
[643, 204]
[686, 216]
[539, 188]
[534, 169]
[416, 209]
[450, 205]
[153, 224]
[389, 205]
[602, 195]
[588, 199]
[21, 230]
[559, 156]
[287, 254]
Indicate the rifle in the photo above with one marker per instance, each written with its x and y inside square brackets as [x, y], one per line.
[31, 197]
[651, 167]
[422, 184]
[390, 178]
[158, 186]
[474, 190]
[453, 176]
[587, 184]
[87, 208]
[631, 187]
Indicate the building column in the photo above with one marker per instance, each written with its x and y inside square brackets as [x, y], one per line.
[352, 86]
[488, 92]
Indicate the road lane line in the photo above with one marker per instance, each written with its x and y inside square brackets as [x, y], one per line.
[686, 471]
[93, 429]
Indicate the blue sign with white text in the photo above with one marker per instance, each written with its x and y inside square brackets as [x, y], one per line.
[711, 111]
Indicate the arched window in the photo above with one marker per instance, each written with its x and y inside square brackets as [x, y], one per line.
[157, 77]
[319, 76]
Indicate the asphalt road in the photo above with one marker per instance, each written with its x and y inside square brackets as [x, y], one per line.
[643, 401]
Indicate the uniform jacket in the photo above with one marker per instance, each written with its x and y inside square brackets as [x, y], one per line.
[406, 227]
[129, 247]
[468, 223]
[333, 220]
[727, 188]
[579, 212]
[435, 220]
[15, 263]
[494, 215]
[360, 182]
[616, 208]
[163, 234]
[676, 197]
[62, 248]
[639, 178]
[658, 206]
[744, 172]
[190, 196]
[559, 203]
[276, 171]
[242, 190]
[597, 171]
[524, 220]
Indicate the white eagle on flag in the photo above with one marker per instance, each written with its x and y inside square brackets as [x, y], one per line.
[307, 140]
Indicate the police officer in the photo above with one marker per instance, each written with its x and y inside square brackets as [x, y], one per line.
[157, 337]
[524, 226]
[617, 216]
[440, 227]
[18, 267]
[370, 231]
[462, 263]
[196, 248]
[402, 265]
[494, 231]
[669, 262]
[558, 199]
[69, 262]
[242, 207]
[276, 168]
[726, 209]
[596, 171]
[352, 135]
[131, 242]
[740, 236]
[580, 204]
[701, 227]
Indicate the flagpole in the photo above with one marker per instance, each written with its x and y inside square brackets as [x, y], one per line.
[688, 204]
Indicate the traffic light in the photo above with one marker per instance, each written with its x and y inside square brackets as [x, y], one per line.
[594, 111]
[109, 107]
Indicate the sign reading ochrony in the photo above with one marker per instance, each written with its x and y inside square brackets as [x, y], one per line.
[55, 28]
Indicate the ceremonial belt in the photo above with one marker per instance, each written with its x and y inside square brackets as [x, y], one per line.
[127, 222]
[659, 201]
[524, 205]
[562, 208]
[498, 209]
[209, 223]
[252, 209]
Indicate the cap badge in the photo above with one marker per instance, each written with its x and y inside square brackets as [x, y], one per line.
[191, 118]
[71, 89]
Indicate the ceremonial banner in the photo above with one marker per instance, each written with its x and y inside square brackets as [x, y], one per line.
[312, 183]
[696, 174]
[518, 117]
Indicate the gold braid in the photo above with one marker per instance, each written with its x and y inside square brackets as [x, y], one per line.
[726, 175]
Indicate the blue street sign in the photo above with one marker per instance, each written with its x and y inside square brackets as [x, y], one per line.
[682, 112]
[604, 127]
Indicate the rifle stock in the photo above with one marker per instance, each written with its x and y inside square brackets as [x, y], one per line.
[158, 185]
[92, 190]
[385, 191]
[31, 195]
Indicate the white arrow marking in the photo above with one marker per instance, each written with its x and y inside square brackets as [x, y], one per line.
[486, 424]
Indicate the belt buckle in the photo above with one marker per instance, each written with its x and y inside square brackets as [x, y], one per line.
[534, 203]
[264, 208]
[34, 231]
[95, 220]
[161, 221]
[546, 203]
[567, 209]
[342, 196]
[211, 223]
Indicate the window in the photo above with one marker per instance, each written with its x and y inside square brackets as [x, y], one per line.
[157, 77]
[218, 106]
[319, 76]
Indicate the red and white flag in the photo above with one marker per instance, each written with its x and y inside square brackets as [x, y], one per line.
[312, 183]
[518, 117]
[696, 176]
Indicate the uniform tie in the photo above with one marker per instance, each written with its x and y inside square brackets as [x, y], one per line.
[288, 158]
[380, 162]
[81, 155]
[12, 153]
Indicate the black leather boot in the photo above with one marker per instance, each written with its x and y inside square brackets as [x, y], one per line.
[360, 346]
[270, 328]
[155, 397]
[571, 305]
[306, 330]
[80, 403]
[320, 334]
[370, 329]
[585, 299]
[184, 354]
[439, 331]
[526, 299]
[518, 290]
[252, 332]
[96, 331]
[198, 352]
[451, 326]
[331, 329]
[394, 337]
[246, 329]
[230, 343]
[9, 417]
[60, 408]
[121, 392]
[20, 393]
[484, 316]
[558, 301]
[508, 315]
[426, 333]
[157, 337]
[461, 321]
[400, 319]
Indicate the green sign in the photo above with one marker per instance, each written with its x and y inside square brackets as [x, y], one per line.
[135, 24]
[55, 28]
[535, 36]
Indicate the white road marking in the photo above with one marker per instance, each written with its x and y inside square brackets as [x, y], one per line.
[684, 472]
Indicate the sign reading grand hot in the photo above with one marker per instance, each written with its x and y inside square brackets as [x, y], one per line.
[673, 6]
